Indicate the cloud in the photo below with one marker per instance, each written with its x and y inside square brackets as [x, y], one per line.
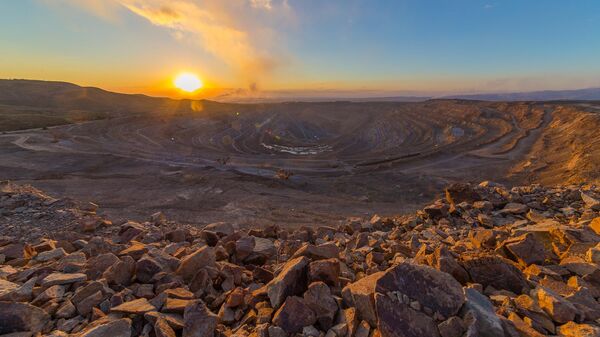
[238, 32]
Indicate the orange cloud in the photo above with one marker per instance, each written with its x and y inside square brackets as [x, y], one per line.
[238, 32]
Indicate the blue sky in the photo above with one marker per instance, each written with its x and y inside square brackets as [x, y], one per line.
[415, 46]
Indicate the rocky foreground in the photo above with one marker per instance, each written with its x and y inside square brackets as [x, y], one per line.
[484, 261]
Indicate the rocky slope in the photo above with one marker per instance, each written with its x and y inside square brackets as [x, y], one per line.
[484, 261]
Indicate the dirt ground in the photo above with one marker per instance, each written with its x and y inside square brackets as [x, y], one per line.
[302, 163]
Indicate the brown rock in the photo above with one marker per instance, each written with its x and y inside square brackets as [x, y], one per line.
[561, 310]
[319, 299]
[578, 265]
[163, 329]
[62, 278]
[97, 265]
[437, 290]
[497, 272]
[120, 273]
[85, 306]
[244, 247]
[327, 271]
[20, 294]
[7, 287]
[396, 319]
[523, 328]
[452, 327]
[324, 251]
[235, 297]
[361, 295]
[198, 320]
[66, 310]
[515, 208]
[572, 329]
[528, 307]
[130, 230]
[526, 249]
[17, 251]
[174, 320]
[595, 225]
[191, 264]
[459, 192]
[15, 317]
[176, 305]
[291, 281]
[293, 315]
[590, 201]
[443, 260]
[480, 317]
[146, 268]
[117, 328]
[135, 307]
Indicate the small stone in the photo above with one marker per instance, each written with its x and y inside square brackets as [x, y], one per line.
[136, 307]
[191, 264]
[452, 327]
[290, 281]
[117, 328]
[62, 278]
[293, 315]
[163, 329]
[198, 320]
[561, 310]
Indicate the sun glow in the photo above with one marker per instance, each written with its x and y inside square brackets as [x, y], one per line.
[188, 82]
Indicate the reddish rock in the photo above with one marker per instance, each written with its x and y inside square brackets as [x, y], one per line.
[437, 290]
[198, 320]
[526, 249]
[136, 307]
[120, 273]
[191, 264]
[497, 272]
[319, 299]
[561, 310]
[293, 315]
[327, 271]
[146, 268]
[163, 329]
[292, 280]
[361, 295]
[19, 317]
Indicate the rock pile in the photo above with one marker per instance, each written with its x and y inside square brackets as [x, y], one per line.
[483, 261]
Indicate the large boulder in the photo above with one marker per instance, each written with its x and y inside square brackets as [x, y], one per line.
[572, 329]
[293, 315]
[319, 299]
[117, 328]
[199, 321]
[436, 290]
[361, 295]
[292, 280]
[135, 307]
[496, 271]
[397, 319]
[19, 317]
[460, 192]
[191, 264]
[526, 249]
[480, 317]
[561, 310]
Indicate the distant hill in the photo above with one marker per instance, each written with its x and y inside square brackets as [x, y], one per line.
[68, 96]
[592, 94]
[27, 104]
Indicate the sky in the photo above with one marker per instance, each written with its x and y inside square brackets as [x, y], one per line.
[362, 47]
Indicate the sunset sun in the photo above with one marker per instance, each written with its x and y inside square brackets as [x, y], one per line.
[188, 82]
